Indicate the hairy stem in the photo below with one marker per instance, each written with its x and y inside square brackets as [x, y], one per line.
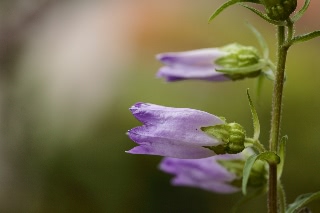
[276, 116]
[272, 192]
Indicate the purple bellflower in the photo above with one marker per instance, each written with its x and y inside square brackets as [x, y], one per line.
[194, 64]
[172, 132]
[183, 133]
[205, 173]
[231, 62]
[220, 173]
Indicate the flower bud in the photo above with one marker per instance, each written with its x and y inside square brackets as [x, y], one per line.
[238, 55]
[239, 61]
[279, 10]
[232, 135]
[236, 138]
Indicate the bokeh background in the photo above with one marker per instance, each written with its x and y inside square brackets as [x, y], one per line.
[69, 71]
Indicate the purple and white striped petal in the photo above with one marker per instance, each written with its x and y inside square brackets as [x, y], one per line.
[173, 132]
[195, 64]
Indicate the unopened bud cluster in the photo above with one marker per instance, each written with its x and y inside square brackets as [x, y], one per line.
[279, 10]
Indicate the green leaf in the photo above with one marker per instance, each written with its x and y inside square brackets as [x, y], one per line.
[258, 88]
[282, 155]
[264, 16]
[222, 8]
[270, 157]
[301, 201]
[303, 38]
[300, 13]
[261, 40]
[256, 124]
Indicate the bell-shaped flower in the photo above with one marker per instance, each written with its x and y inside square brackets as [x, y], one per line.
[219, 174]
[177, 132]
[231, 62]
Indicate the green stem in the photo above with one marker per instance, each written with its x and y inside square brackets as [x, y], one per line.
[276, 116]
[290, 29]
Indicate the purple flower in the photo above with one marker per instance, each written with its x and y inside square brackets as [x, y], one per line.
[172, 132]
[205, 173]
[230, 62]
[195, 64]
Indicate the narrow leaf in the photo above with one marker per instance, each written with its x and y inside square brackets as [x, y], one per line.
[258, 87]
[300, 13]
[261, 40]
[264, 16]
[281, 198]
[282, 155]
[304, 37]
[221, 8]
[256, 124]
[270, 157]
[246, 172]
[301, 201]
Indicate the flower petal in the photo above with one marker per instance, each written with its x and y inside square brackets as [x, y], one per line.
[191, 72]
[204, 173]
[172, 125]
[195, 64]
[171, 150]
[173, 132]
[201, 57]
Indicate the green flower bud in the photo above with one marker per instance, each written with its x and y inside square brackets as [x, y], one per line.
[279, 10]
[232, 135]
[238, 56]
[237, 136]
[240, 61]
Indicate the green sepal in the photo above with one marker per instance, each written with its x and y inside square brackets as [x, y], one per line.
[243, 70]
[255, 119]
[232, 135]
[264, 16]
[228, 4]
[303, 38]
[282, 155]
[218, 131]
[301, 201]
[219, 150]
[269, 157]
[300, 13]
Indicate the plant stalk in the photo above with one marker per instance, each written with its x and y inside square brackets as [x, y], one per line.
[276, 116]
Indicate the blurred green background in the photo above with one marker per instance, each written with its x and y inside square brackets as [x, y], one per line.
[69, 71]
